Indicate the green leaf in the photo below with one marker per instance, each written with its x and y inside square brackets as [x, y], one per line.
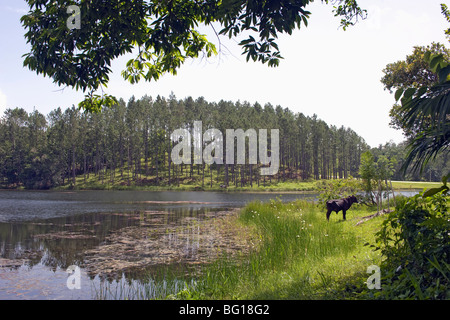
[427, 56]
[443, 74]
[305, 21]
[433, 191]
[399, 93]
[445, 179]
[435, 62]
[421, 91]
[409, 93]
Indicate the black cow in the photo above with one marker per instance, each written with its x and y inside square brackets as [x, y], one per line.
[341, 204]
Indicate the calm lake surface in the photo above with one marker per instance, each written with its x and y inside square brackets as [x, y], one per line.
[117, 240]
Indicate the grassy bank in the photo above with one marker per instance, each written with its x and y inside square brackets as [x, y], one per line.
[196, 184]
[185, 183]
[407, 185]
[297, 255]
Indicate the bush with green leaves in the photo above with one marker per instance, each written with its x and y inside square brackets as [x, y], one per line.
[336, 189]
[414, 242]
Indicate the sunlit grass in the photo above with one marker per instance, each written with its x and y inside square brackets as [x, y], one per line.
[298, 255]
[124, 179]
[415, 184]
[295, 254]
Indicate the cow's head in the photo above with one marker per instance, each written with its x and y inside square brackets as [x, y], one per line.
[353, 199]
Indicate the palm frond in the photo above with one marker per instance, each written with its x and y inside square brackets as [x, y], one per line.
[426, 146]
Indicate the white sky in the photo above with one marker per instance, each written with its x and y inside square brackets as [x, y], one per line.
[327, 71]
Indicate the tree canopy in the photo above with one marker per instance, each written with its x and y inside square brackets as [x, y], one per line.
[422, 86]
[428, 108]
[414, 71]
[131, 143]
[163, 34]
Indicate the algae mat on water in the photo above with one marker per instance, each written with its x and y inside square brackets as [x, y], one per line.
[156, 243]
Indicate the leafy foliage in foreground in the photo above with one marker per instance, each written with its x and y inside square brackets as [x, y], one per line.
[161, 34]
[415, 242]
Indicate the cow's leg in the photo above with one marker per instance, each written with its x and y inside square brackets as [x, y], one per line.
[328, 214]
[343, 213]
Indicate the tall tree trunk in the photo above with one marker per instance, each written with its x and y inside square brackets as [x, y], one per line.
[169, 159]
[73, 165]
[226, 175]
[129, 163]
[157, 164]
[85, 166]
[203, 174]
[210, 172]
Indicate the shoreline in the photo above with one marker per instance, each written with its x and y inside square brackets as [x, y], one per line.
[285, 191]
[303, 188]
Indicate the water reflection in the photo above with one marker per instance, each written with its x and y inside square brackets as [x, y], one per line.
[137, 246]
[122, 237]
[33, 205]
[61, 242]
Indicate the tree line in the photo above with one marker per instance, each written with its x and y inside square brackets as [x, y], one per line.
[130, 142]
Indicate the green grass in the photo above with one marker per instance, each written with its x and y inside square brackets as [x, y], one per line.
[195, 183]
[184, 182]
[297, 255]
[398, 185]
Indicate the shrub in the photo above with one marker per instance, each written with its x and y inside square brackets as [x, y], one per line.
[414, 242]
[336, 189]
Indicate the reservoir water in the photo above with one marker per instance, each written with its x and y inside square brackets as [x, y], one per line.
[99, 244]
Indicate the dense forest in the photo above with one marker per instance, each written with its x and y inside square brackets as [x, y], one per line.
[131, 142]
